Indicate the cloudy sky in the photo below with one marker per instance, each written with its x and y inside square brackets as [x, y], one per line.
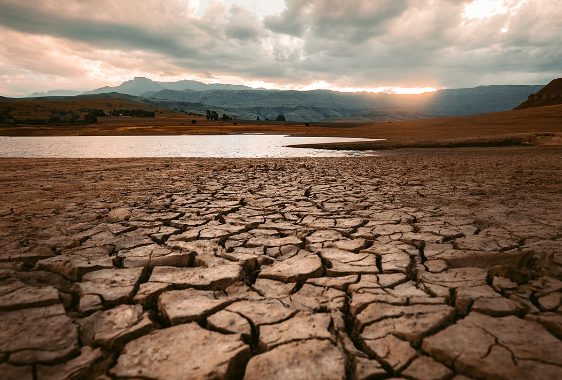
[400, 45]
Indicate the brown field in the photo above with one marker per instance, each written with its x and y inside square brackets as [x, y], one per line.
[503, 128]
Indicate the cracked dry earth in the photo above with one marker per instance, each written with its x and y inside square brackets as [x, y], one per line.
[419, 265]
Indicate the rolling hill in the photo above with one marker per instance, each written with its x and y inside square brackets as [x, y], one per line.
[29, 109]
[549, 95]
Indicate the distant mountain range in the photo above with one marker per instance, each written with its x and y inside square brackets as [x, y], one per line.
[320, 105]
[323, 105]
[549, 95]
[55, 93]
[140, 86]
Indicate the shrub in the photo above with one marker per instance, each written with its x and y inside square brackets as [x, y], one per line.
[211, 115]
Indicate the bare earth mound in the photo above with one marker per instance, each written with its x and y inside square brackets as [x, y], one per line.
[423, 265]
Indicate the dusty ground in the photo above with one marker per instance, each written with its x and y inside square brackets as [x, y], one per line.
[430, 264]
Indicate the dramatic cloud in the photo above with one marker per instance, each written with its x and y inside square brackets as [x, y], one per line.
[356, 44]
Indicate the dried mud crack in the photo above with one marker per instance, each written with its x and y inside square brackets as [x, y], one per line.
[425, 265]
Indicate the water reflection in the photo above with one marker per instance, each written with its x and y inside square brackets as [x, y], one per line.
[223, 146]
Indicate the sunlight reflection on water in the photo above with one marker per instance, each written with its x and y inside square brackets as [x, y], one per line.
[219, 146]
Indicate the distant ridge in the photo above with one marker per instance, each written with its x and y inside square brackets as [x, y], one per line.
[549, 95]
[245, 102]
[324, 105]
[140, 86]
[55, 93]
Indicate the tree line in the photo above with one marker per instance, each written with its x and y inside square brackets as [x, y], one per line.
[213, 115]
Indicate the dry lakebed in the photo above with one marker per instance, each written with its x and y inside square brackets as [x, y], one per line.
[420, 264]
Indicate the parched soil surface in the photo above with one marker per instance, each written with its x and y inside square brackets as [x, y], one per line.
[431, 264]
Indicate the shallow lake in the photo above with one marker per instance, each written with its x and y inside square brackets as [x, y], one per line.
[224, 146]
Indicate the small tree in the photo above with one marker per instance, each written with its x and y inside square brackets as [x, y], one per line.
[258, 118]
[225, 117]
[208, 114]
[280, 117]
[193, 121]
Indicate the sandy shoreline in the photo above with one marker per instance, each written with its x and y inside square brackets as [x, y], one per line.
[392, 259]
